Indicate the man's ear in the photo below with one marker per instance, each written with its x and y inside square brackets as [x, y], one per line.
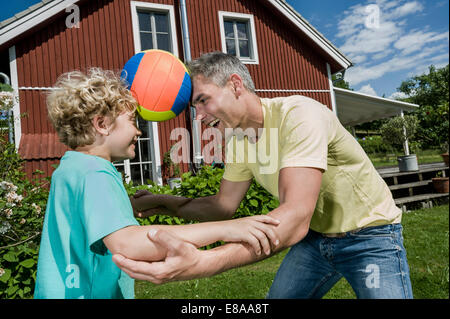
[101, 124]
[237, 84]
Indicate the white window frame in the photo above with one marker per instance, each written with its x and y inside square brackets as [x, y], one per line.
[153, 134]
[137, 5]
[248, 18]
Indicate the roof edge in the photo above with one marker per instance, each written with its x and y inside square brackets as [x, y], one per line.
[410, 106]
[296, 18]
[31, 17]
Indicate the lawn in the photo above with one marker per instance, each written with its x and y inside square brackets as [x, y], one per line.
[426, 235]
[423, 157]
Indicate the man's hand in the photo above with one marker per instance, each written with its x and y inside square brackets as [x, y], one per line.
[181, 262]
[257, 231]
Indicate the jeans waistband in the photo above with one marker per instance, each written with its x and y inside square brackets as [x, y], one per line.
[340, 235]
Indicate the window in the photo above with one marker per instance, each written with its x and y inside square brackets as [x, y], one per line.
[238, 36]
[153, 28]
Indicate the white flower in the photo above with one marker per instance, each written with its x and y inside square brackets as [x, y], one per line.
[12, 197]
[8, 213]
[2, 272]
[37, 208]
[4, 227]
[7, 186]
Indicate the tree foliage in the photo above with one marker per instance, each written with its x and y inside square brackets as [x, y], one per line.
[431, 92]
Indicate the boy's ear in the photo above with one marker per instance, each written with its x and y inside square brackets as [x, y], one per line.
[101, 124]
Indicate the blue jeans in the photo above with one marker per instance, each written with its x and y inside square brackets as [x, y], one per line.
[373, 261]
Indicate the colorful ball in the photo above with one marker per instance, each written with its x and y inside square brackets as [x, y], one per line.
[159, 82]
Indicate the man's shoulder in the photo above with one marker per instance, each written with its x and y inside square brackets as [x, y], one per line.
[296, 103]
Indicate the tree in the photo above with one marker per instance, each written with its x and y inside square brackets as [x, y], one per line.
[431, 92]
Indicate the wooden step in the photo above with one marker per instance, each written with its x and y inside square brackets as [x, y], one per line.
[418, 198]
[408, 185]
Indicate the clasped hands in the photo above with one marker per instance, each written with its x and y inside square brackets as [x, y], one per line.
[183, 258]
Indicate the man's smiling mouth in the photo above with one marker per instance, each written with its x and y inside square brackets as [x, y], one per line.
[214, 123]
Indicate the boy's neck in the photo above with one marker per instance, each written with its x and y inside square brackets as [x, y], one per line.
[94, 150]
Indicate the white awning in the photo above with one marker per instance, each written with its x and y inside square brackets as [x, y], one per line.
[355, 108]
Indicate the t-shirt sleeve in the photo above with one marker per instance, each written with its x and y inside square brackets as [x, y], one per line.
[304, 138]
[106, 209]
[235, 168]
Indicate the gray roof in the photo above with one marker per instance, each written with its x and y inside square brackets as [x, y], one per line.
[23, 13]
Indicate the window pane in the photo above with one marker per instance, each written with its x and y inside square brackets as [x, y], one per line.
[163, 42]
[229, 33]
[161, 22]
[144, 126]
[144, 21]
[231, 48]
[146, 41]
[145, 150]
[146, 172]
[243, 49]
[136, 174]
[242, 30]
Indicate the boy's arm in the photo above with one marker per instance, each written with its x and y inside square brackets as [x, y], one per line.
[132, 241]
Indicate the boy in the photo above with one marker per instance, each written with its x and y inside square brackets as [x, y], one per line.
[89, 215]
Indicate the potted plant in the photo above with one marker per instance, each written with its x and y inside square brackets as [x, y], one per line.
[440, 183]
[397, 132]
[172, 171]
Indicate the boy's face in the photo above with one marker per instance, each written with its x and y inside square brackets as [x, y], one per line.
[123, 137]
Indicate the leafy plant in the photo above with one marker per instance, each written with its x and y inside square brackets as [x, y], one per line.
[399, 129]
[22, 207]
[170, 168]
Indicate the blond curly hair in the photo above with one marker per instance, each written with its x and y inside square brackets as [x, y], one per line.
[78, 97]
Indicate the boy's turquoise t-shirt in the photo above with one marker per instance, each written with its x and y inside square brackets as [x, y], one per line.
[87, 202]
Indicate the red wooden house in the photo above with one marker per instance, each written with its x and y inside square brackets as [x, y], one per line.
[283, 52]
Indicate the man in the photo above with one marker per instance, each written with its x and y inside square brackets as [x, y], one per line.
[336, 213]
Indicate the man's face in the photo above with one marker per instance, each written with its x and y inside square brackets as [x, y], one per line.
[216, 106]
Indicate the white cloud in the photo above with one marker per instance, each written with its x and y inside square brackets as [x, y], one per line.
[404, 10]
[416, 40]
[391, 47]
[398, 95]
[367, 89]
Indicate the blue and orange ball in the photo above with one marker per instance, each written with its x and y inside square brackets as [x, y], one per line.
[159, 82]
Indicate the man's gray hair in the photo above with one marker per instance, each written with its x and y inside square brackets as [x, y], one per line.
[218, 68]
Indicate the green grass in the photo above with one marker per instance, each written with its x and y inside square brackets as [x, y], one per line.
[423, 157]
[426, 238]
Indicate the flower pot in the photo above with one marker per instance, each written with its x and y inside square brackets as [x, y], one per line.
[440, 184]
[174, 182]
[445, 158]
[407, 163]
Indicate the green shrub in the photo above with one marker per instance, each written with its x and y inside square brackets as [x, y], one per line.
[207, 183]
[374, 144]
[22, 207]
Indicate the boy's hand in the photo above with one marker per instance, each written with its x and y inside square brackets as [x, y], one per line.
[258, 231]
[147, 204]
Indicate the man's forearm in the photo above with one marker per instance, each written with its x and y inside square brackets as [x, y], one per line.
[226, 257]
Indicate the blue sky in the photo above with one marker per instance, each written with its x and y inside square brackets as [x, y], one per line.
[388, 41]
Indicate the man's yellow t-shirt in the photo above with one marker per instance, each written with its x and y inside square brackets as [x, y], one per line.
[301, 132]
